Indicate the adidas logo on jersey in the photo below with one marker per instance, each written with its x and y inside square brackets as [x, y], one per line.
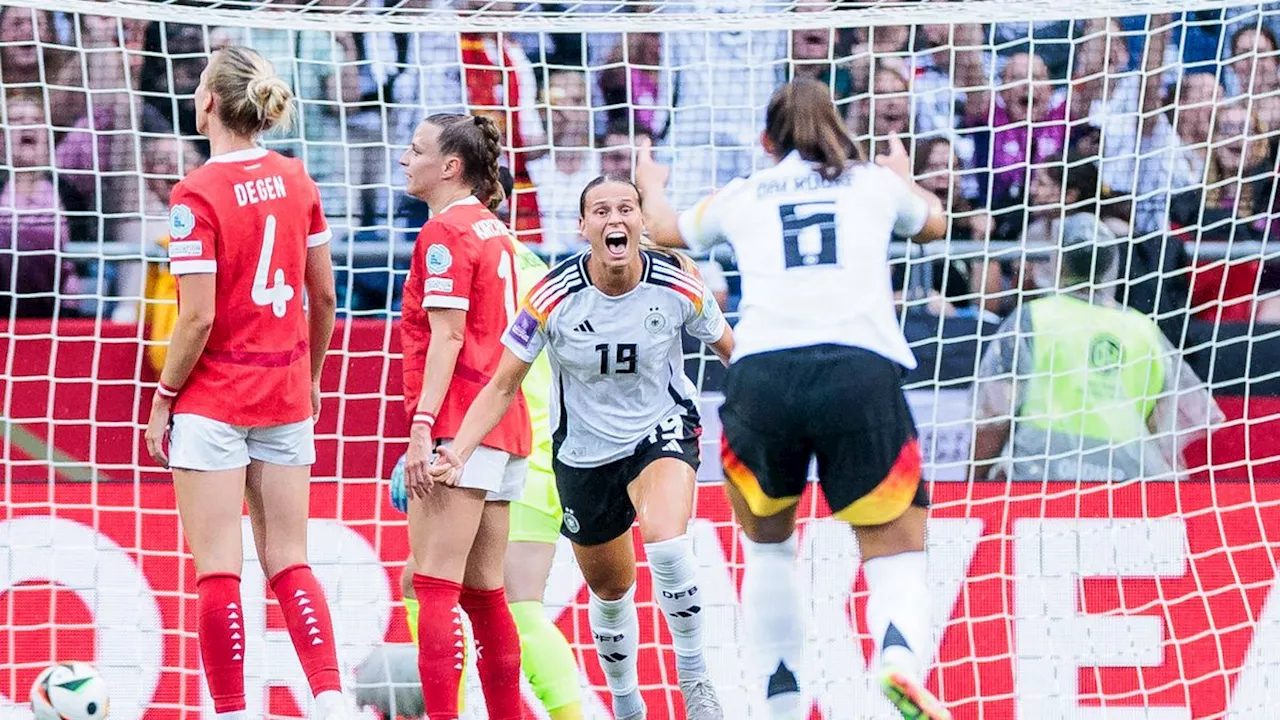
[584, 326]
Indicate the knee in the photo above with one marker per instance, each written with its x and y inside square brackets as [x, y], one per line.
[768, 531]
[612, 589]
[656, 530]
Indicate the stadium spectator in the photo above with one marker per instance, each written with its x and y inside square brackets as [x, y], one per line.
[328, 91]
[875, 45]
[951, 81]
[887, 110]
[971, 287]
[718, 96]
[1059, 189]
[33, 227]
[1255, 71]
[1077, 387]
[1238, 179]
[1196, 104]
[1140, 151]
[816, 54]
[630, 84]
[174, 56]
[166, 159]
[617, 153]
[497, 80]
[92, 149]
[1026, 122]
[572, 163]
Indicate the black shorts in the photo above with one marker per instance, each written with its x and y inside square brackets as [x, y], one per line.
[842, 405]
[596, 505]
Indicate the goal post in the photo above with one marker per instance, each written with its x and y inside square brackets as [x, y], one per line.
[1099, 593]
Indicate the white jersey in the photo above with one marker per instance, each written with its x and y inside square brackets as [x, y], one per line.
[617, 362]
[812, 254]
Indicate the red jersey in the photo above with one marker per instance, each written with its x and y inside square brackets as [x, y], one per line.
[248, 217]
[463, 260]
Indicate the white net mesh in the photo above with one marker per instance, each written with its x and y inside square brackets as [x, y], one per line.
[1096, 591]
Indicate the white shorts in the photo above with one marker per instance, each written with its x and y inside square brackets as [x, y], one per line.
[499, 473]
[200, 443]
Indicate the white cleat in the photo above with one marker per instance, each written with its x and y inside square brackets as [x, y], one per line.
[700, 701]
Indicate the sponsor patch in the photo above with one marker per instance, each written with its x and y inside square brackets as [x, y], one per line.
[524, 328]
[439, 285]
[182, 222]
[439, 259]
[185, 249]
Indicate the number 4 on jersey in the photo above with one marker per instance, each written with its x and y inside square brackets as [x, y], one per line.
[280, 293]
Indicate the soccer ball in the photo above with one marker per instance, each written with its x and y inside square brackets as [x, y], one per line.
[69, 691]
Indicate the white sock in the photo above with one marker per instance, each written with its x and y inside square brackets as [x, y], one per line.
[329, 701]
[774, 622]
[616, 629]
[675, 582]
[898, 610]
[235, 715]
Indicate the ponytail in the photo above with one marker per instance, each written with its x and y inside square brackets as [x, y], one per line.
[476, 140]
[252, 99]
[802, 118]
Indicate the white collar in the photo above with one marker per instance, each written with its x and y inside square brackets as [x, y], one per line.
[253, 153]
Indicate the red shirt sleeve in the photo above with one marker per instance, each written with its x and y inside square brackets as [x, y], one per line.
[450, 262]
[193, 233]
[319, 233]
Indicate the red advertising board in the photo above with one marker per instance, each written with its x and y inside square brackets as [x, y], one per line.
[1062, 600]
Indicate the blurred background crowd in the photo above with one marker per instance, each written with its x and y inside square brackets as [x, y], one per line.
[1165, 126]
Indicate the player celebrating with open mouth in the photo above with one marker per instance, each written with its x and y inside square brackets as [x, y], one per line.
[625, 429]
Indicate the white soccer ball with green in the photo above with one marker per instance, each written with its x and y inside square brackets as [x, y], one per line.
[70, 691]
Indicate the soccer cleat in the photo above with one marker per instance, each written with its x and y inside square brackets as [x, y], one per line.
[700, 701]
[911, 698]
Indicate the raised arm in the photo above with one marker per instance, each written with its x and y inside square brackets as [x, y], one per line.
[660, 219]
[935, 223]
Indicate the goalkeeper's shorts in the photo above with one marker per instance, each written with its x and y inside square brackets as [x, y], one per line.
[536, 516]
[842, 405]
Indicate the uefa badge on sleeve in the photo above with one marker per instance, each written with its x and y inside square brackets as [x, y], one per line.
[439, 259]
[182, 222]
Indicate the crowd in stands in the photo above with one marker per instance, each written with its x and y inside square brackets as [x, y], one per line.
[1167, 127]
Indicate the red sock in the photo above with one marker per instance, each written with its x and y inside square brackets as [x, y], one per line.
[440, 645]
[220, 627]
[497, 651]
[306, 613]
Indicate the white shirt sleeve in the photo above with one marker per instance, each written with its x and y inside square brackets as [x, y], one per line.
[701, 226]
[704, 320]
[912, 210]
[526, 337]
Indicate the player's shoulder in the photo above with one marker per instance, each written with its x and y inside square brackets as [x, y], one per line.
[666, 272]
[568, 277]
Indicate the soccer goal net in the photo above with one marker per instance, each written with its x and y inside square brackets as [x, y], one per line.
[1099, 412]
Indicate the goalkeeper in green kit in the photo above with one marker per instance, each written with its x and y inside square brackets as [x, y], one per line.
[545, 656]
